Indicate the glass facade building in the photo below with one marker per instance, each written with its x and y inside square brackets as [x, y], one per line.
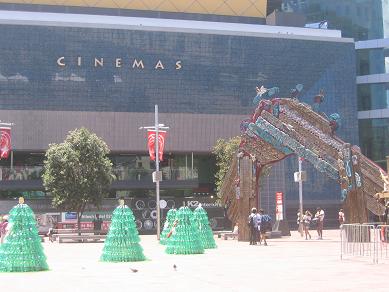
[373, 96]
[56, 75]
[357, 19]
[367, 21]
[89, 69]
[372, 61]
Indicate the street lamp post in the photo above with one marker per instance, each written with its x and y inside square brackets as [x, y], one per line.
[157, 172]
[157, 177]
[300, 177]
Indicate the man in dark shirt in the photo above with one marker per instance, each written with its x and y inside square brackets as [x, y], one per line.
[227, 222]
[264, 226]
[97, 222]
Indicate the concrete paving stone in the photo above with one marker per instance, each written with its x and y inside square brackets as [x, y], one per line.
[287, 264]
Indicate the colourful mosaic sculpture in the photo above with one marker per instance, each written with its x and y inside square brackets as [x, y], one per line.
[287, 145]
[283, 126]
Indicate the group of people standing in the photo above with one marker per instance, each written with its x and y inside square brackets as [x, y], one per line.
[308, 218]
[259, 223]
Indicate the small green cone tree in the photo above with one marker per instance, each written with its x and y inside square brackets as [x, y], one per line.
[200, 218]
[185, 237]
[170, 216]
[22, 250]
[122, 242]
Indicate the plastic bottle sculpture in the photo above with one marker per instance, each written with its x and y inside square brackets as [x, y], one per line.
[122, 242]
[202, 223]
[171, 215]
[184, 236]
[22, 250]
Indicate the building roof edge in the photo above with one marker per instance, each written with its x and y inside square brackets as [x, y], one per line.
[168, 25]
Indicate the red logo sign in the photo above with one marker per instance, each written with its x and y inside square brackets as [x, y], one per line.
[5, 142]
[151, 143]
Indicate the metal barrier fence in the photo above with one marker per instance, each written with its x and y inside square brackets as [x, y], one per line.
[383, 251]
[368, 241]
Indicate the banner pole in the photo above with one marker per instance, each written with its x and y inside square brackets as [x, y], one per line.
[157, 176]
[12, 160]
[300, 162]
[157, 170]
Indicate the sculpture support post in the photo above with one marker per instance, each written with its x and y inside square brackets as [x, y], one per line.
[257, 192]
[245, 202]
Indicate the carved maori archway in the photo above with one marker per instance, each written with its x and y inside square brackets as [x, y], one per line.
[283, 126]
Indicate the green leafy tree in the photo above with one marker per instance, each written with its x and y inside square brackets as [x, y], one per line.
[224, 151]
[77, 172]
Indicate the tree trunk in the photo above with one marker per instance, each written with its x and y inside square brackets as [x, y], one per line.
[257, 193]
[79, 215]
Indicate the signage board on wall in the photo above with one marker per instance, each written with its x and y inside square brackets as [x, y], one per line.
[69, 217]
[279, 206]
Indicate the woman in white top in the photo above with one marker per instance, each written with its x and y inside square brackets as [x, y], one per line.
[4, 228]
[319, 216]
[307, 218]
[341, 217]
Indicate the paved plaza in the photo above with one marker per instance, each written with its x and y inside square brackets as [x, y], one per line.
[287, 264]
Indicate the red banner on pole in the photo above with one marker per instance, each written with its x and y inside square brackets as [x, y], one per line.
[5, 142]
[151, 143]
[279, 206]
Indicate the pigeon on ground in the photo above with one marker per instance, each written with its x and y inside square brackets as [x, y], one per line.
[175, 267]
[134, 270]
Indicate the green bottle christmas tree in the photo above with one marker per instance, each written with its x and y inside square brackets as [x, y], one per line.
[122, 242]
[184, 237]
[22, 250]
[201, 221]
[167, 227]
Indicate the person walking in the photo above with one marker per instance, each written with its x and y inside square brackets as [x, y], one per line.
[227, 223]
[253, 225]
[319, 216]
[97, 223]
[386, 213]
[52, 230]
[4, 228]
[264, 226]
[341, 217]
[307, 218]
